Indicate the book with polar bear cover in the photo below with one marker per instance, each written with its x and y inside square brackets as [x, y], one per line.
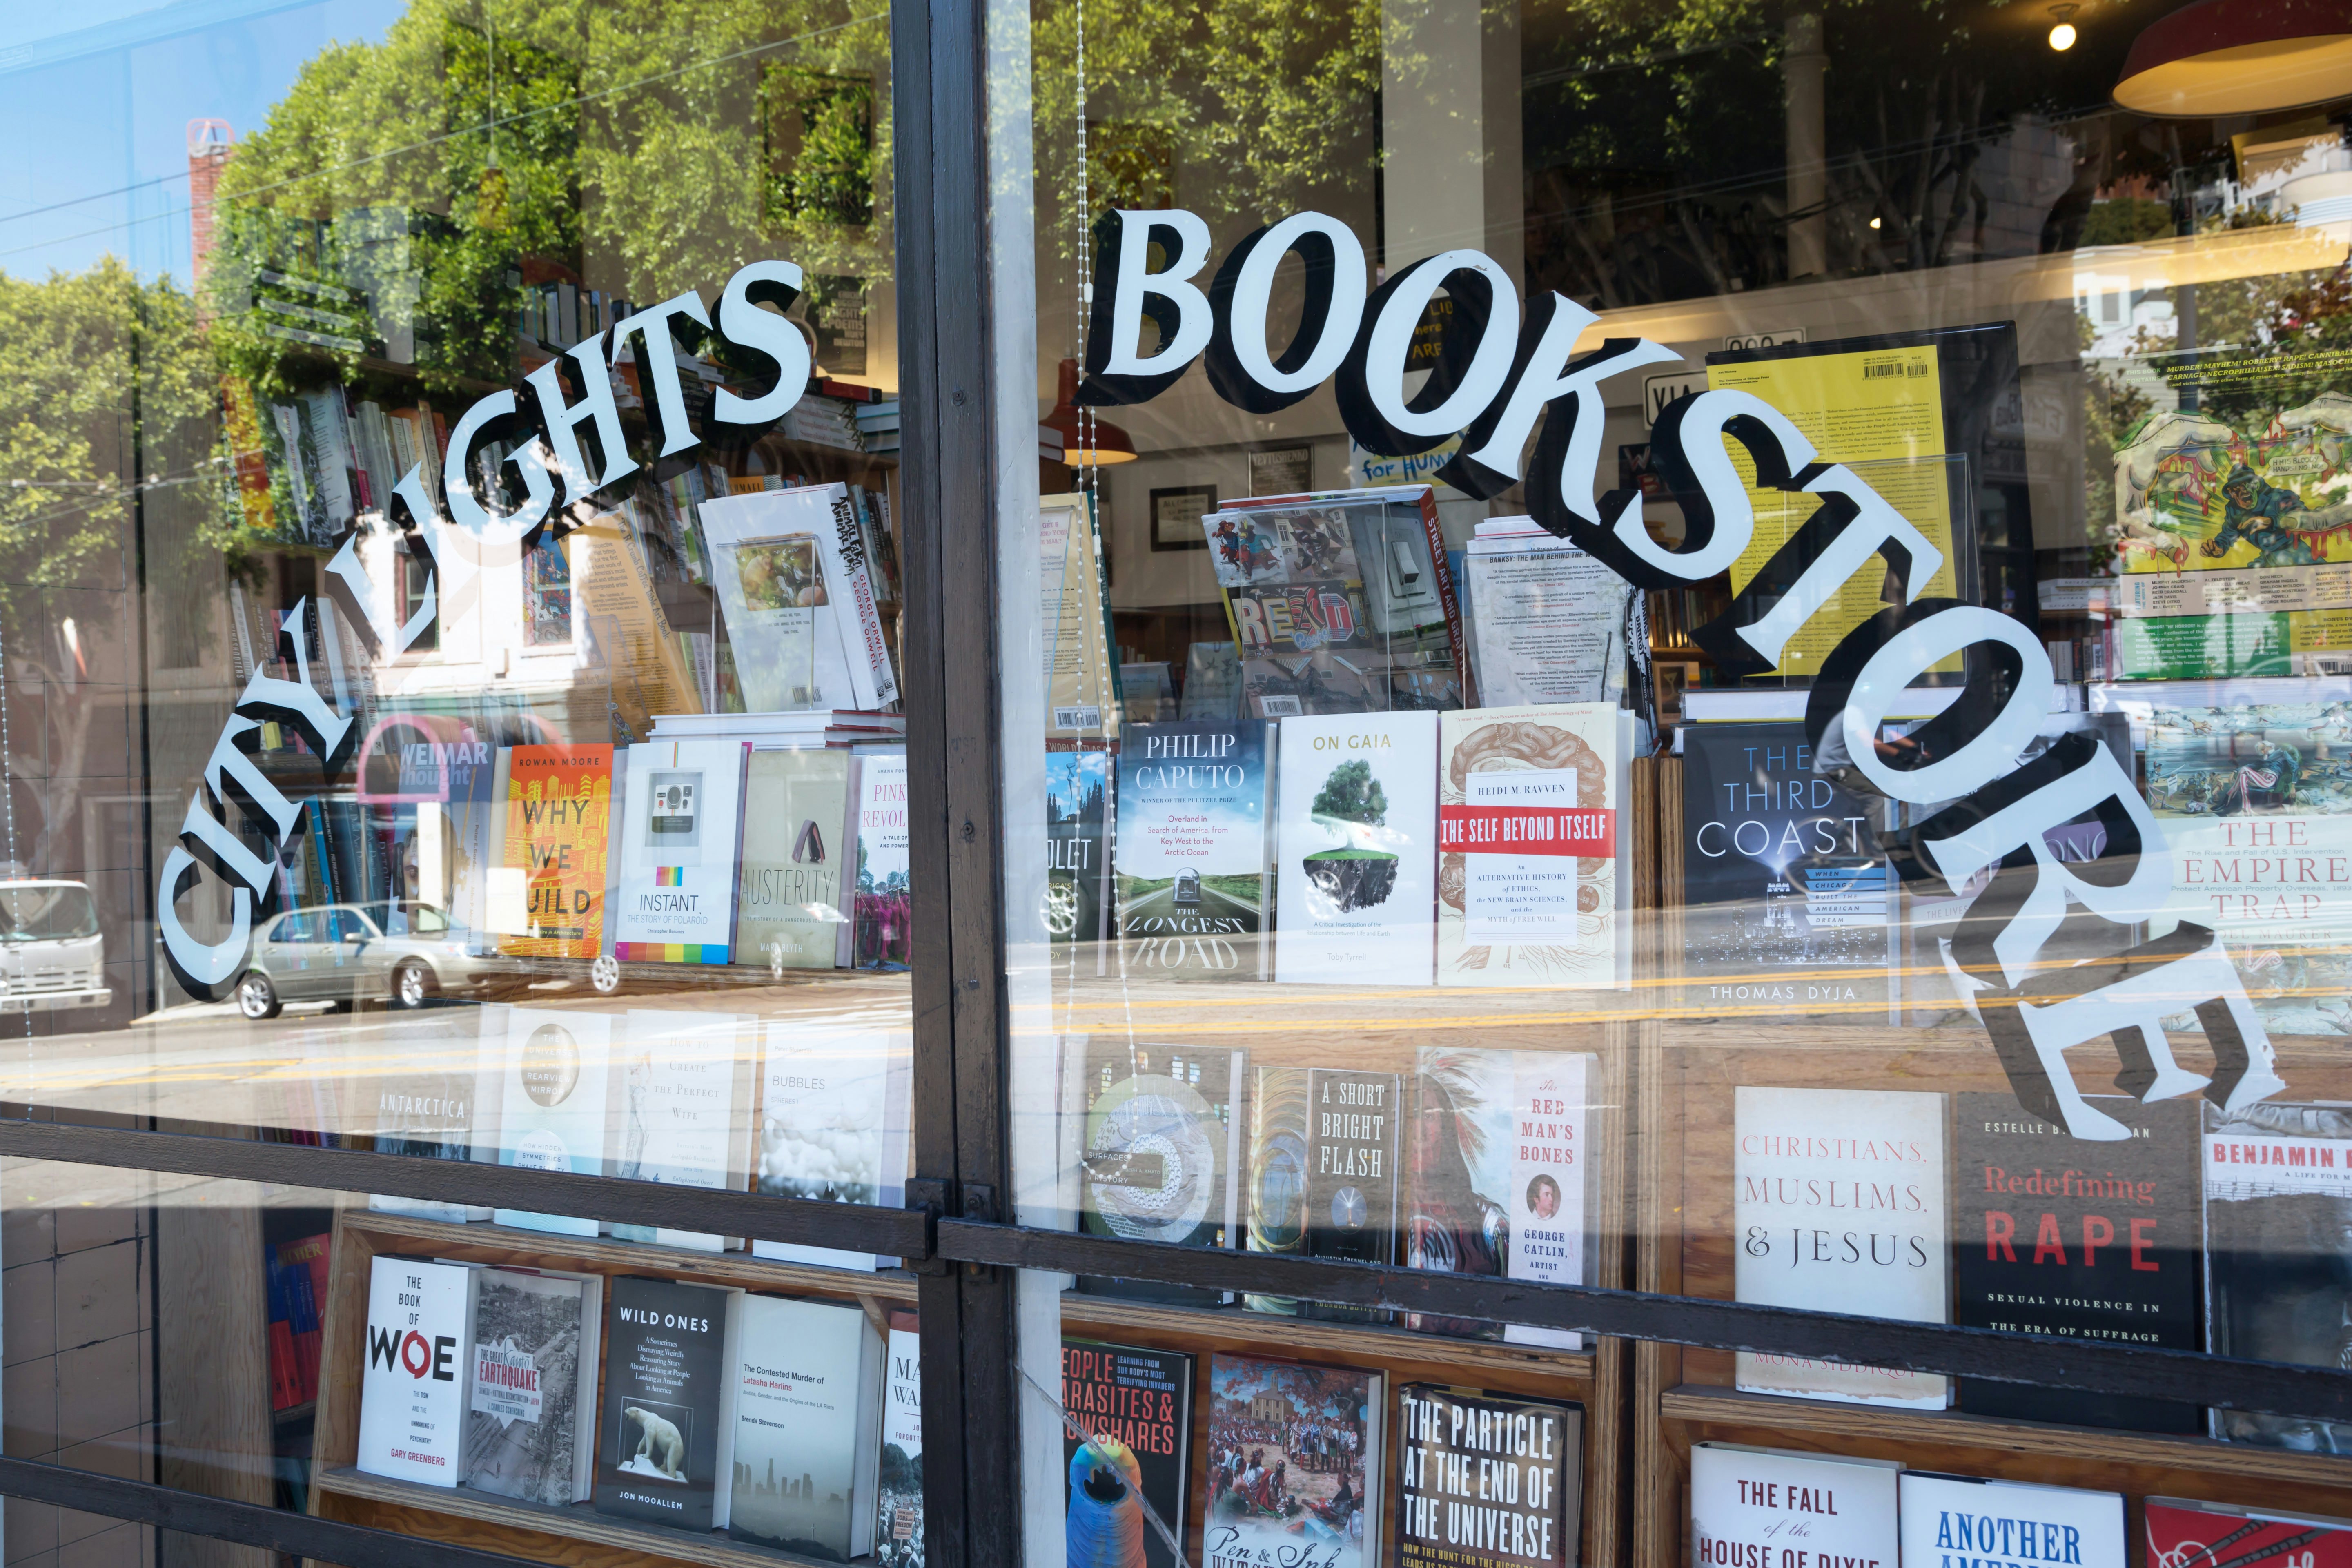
[666, 1441]
[808, 1417]
[834, 1126]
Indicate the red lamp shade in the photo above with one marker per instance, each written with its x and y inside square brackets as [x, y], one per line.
[1087, 439]
[2239, 57]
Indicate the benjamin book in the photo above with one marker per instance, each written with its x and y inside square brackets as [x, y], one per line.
[1487, 1480]
[1135, 1406]
[666, 1446]
[2278, 1204]
[2054, 1234]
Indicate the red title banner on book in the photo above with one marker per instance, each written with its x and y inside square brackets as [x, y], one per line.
[1526, 830]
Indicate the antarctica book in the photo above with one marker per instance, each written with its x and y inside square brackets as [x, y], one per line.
[1839, 1196]
[530, 1396]
[2055, 1235]
[1956, 1519]
[808, 1410]
[1298, 1469]
[665, 1447]
[1487, 1480]
[1747, 1505]
[1156, 1149]
[1135, 1406]
[428, 1113]
[420, 1333]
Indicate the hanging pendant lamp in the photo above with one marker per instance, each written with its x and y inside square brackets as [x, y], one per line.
[1085, 442]
[2239, 57]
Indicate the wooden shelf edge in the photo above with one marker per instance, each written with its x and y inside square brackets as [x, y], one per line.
[577, 1521]
[610, 1257]
[1872, 1427]
[1263, 1333]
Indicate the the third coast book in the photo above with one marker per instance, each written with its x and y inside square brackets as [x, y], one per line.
[1193, 848]
[1487, 1480]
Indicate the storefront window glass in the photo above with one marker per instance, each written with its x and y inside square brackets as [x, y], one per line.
[1681, 651]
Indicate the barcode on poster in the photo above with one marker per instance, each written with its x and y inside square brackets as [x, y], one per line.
[1077, 718]
[1873, 372]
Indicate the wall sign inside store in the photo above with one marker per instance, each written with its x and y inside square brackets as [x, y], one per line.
[1498, 370]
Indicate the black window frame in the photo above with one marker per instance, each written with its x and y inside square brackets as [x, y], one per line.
[952, 1233]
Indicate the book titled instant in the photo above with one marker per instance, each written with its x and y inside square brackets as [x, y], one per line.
[419, 1338]
[808, 1405]
[667, 1444]
[1751, 1508]
[2008, 1524]
[1529, 873]
[1295, 1464]
[530, 1395]
[1495, 1153]
[1838, 1195]
[1135, 1406]
[1193, 815]
[1487, 1480]
[1357, 855]
[2054, 1234]
[675, 898]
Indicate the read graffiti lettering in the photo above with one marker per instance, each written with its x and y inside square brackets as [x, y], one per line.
[1506, 374]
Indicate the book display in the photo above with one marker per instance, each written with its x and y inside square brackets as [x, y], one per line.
[1662, 879]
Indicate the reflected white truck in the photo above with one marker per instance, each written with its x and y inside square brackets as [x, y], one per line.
[51, 954]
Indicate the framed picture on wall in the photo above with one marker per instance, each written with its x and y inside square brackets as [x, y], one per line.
[1282, 471]
[1673, 676]
[1176, 516]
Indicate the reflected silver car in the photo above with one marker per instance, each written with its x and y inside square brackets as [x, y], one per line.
[404, 952]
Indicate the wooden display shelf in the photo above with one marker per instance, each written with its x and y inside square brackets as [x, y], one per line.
[1686, 1073]
[577, 1536]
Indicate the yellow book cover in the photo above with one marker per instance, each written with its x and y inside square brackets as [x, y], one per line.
[558, 823]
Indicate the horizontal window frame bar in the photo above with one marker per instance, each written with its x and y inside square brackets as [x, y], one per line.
[247, 1523]
[2195, 1377]
[852, 1228]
